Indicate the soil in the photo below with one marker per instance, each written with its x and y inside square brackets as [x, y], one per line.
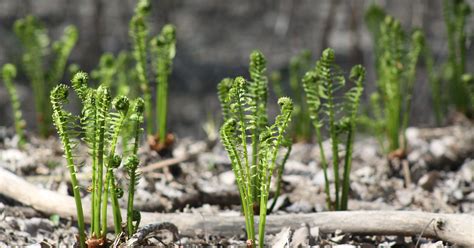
[437, 178]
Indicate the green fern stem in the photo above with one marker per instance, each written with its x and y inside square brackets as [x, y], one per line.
[164, 48]
[58, 96]
[258, 94]
[324, 165]
[32, 36]
[280, 171]
[417, 41]
[103, 102]
[121, 104]
[133, 161]
[326, 61]
[281, 123]
[8, 74]
[89, 121]
[243, 184]
[312, 86]
[139, 33]
[357, 75]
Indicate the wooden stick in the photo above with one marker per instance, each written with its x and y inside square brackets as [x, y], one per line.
[454, 228]
[167, 163]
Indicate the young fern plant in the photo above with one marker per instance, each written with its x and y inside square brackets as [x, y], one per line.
[139, 35]
[8, 74]
[456, 15]
[235, 135]
[101, 131]
[164, 47]
[65, 123]
[396, 60]
[340, 115]
[257, 94]
[35, 41]
[253, 146]
[133, 216]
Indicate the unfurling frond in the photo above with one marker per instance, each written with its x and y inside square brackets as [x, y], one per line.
[223, 90]
[164, 48]
[321, 86]
[245, 120]
[8, 74]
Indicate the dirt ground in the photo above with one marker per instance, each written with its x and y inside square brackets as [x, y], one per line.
[437, 178]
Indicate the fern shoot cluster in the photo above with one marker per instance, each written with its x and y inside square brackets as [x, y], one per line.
[326, 109]
[100, 129]
[161, 51]
[164, 48]
[396, 59]
[456, 14]
[252, 144]
[299, 64]
[8, 74]
[36, 51]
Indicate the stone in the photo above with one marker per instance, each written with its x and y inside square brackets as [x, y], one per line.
[300, 237]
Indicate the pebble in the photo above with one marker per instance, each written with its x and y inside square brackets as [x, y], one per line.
[282, 239]
[405, 196]
[227, 178]
[300, 237]
[438, 244]
[428, 181]
[437, 148]
[34, 225]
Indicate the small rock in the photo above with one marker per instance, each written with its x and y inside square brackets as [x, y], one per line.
[296, 167]
[437, 148]
[167, 190]
[438, 244]
[300, 237]
[405, 196]
[33, 225]
[368, 152]
[458, 195]
[366, 175]
[227, 178]
[428, 181]
[318, 179]
[281, 201]
[314, 232]
[282, 239]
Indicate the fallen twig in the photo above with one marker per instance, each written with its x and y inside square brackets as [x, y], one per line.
[168, 162]
[454, 228]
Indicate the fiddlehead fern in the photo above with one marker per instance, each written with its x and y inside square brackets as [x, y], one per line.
[456, 13]
[244, 106]
[396, 60]
[102, 142]
[223, 89]
[35, 41]
[258, 106]
[117, 120]
[272, 140]
[321, 86]
[132, 165]
[139, 35]
[8, 74]
[164, 46]
[352, 102]
[64, 123]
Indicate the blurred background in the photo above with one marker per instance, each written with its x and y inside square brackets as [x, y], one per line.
[215, 38]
